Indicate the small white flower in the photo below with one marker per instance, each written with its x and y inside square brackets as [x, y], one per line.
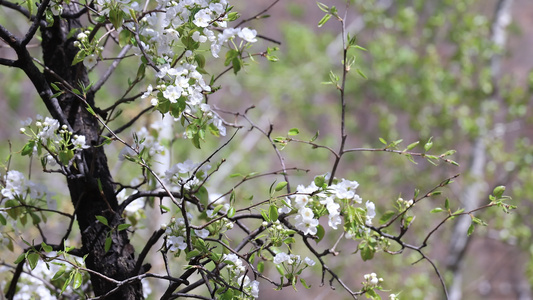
[202, 233]
[90, 61]
[243, 281]
[309, 262]
[248, 35]
[281, 258]
[176, 242]
[202, 18]
[306, 225]
[255, 289]
[148, 92]
[79, 142]
[81, 36]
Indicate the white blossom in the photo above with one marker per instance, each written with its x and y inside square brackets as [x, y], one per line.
[248, 35]
[309, 262]
[90, 61]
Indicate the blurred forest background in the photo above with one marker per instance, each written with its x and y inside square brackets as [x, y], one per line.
[435, 69]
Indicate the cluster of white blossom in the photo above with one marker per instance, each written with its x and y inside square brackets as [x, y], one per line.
[237, 270]
[307, 200]
[404, 204]
[53, 137]
[176, 233]
[169, 29]
[174, 180]
[292, 260]
[31, 282]
[16, 186]
[144, 142]
[371, 280]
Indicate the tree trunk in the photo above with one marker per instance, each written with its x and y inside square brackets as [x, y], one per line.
[91, 188]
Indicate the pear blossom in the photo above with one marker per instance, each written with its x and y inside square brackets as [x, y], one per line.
[309, 261]
[202, 233]
[248, 35]
[202, 18]
[370, 212]
[255, 289]
[306, 225]
[90, 61]
[79, 142]
[175, 243]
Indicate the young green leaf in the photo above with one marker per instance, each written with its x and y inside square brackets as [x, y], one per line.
[280, 186]
[102, 220]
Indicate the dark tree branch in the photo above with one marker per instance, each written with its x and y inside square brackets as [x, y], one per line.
[36, 23]
[8, 62]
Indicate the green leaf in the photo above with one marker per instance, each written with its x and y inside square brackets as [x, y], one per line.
[367, 252]
[20, 258]
[435, 193]
[266, 217]
[108, 243]
[323, 7]
[28, 148]
[320, 181]
[448, 153]
[294, 131]
[140, 75]
[3, 220]
[383, 141]
[436, 210]
[233, 16]
[237, 65]
[324, 19]
[200, 60]
[273, 213]
[320, 233]
[46, 247]
[470, 229]
[192, 254]
[280, 186]
[79, 57]
[102, 220]
[230, 56]
[412, 145]
[261, 266]
[289, 240]
[231, 212]
[314, 137]
[459, 211]
[33, 259]
[428, 145]
[498, 191]
[304, 283]
[447, 204]
[65, 156]
[386, 216]
[361, 73]
[280, 269]
[60, 272]
[123, 227]
[124, 38]
[78, 280]
[116, 16]
[67, 282]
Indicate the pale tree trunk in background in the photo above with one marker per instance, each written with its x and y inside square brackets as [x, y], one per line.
[474, 192]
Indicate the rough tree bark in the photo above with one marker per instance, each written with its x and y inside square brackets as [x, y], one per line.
[91, 187]
[90, 183]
